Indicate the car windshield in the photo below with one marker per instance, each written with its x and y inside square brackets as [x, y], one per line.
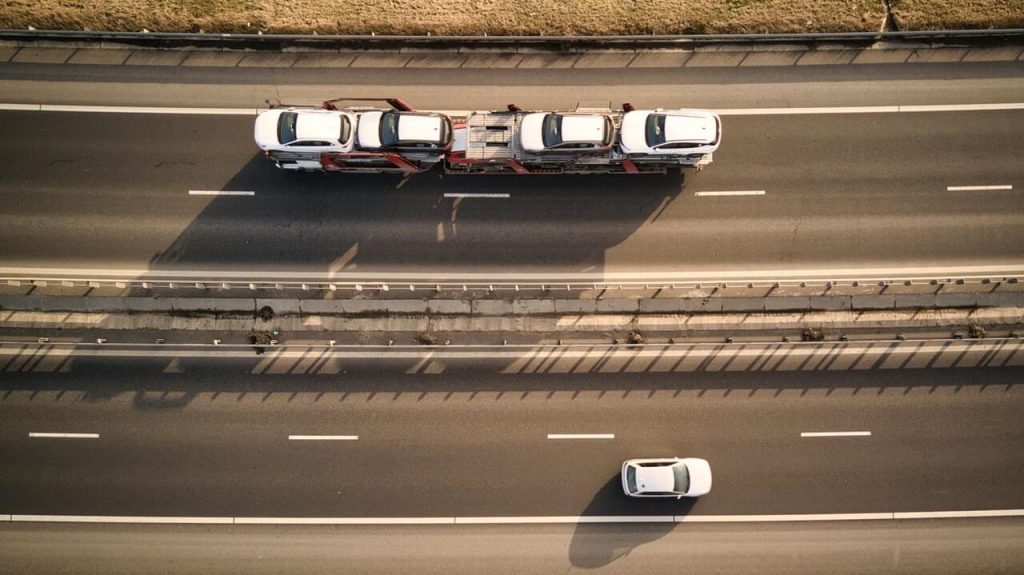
[655, 129]
[286, 127]
[389, 129]
[682, 476]
[552, 130]
[631, 479]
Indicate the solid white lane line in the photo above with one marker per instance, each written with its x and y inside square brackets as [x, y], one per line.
[147, 110]
[569, 519]
[581, 436]
[958, 514]
[973, 188]
[792, 517]
[66, 435]
[835, 433]
[220, 193]
[732, 193]
[344, 520]
[323, 437]
[466, 195]
[870, 109]
[116, 519]
[462, 113]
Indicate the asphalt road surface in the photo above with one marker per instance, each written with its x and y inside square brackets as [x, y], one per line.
[111, 191]
[451, 437]
[930, 547]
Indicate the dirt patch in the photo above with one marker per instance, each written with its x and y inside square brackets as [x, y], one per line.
[507, 17]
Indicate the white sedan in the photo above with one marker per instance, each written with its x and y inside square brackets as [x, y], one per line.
[576, 133]
[305, 130]
[674, 477]
[404, 130]
[670, 132]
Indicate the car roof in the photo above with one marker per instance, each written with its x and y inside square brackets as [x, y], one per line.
[583, 128]
[655, 479]
[317, 126]
[691, 128]
[419, 128]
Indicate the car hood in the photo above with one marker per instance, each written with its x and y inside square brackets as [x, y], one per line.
[266, 129]
[633, 131]
[531, 133]
[700, 476]
[368, 130]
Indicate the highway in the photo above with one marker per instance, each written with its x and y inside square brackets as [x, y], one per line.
[205, 436]
[469, 437]
[111, 191]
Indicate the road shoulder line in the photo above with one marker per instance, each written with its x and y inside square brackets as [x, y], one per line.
[497, 520]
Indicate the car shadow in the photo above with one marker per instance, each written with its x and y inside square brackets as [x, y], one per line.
[595, 545]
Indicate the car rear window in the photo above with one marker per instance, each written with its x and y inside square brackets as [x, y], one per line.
[682, 476]
[286, 127]
[346, 130]
[631, 479]
[655, 129]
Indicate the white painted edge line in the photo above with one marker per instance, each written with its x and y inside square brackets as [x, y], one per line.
[958, 514]
[567, 519]
[65, 435]
[220, 193]
[116, 519]
[468, 195]
[973, 188]
[581, 436]
[795, 517]
[835, 433]
[131, 109]
[871, 109]
[344, 520]
[323, 437]
[462, 113]
[732, 193]
[808, 517]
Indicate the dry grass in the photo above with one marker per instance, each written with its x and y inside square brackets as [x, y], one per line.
[505, 17]
[958, 14]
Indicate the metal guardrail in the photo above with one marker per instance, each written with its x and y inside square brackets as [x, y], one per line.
[277, 42]
[937, 284]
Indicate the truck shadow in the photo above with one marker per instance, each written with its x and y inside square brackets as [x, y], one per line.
[382, 223]
[595, 545]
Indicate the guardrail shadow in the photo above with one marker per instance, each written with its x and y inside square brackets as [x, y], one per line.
[595, 545]
[163, 381]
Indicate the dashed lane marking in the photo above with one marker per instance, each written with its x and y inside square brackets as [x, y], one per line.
[732, 193]
[835, 433]
[221, 193]
[65, 435]
[977, 188]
